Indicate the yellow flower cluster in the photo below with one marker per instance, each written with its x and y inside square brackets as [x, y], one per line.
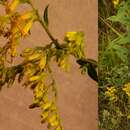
[111, 93]
[115, 2]
[48, 107]
[63, 63]
[76, 37]
[128, 116]
[20, 24]
[126, 88]
[10, 7]
[71, 36]
[38, 78]
[75, 41]
[34, 55]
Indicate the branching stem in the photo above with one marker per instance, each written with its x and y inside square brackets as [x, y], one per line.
[44, 26]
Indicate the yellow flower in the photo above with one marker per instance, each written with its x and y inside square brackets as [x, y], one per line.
[52, 118]
[13, 51]
[27, 27]
[44, 115]
[112, 89]
[12, 6]
[47, 105]
[71, 36]
[115, 2]
[34, 78]
[111, 93]
[27, 15]
[128, 116]
[4, 19]
[43, 61]
[34, 56]
[76, 37]
[14, 41]
[59, 128]
[75, 42]
[64, 63]
[14, 27]
[39, 90]
[127, 89]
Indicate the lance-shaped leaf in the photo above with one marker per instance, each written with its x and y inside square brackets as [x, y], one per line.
[92, 72]
[45, 16]
[90, 66]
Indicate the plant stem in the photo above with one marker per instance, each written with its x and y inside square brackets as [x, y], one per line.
[44, 26]
[46, 29]
[114, 30]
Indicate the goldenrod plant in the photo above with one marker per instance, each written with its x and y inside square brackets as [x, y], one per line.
[35, 71]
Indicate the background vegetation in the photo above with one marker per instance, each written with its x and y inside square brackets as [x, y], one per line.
[114, 71]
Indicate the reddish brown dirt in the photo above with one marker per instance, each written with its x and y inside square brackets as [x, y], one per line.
[77, 94]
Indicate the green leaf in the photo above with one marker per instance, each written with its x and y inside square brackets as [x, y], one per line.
[86, 61]
[93, 62]
[92, 72]
[122, 15]
[91, 67]
[121, 52]
[122, 40]
[45, 16]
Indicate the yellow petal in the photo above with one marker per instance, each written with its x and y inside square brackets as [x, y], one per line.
[115, 2]
[14, 28]
[54, 123]
[71, 36]
[52, 118]
[39, 94]
[53, 107]
[34, 56]
[128, 116]
[13, 5]
[44, 115]
[47, 105]
[28, 51]
[14, 42]
[27, 27]
[63, 63]
[59, 128]
[34, 78]
[13, 51]
[27, 15]
[42, 61]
